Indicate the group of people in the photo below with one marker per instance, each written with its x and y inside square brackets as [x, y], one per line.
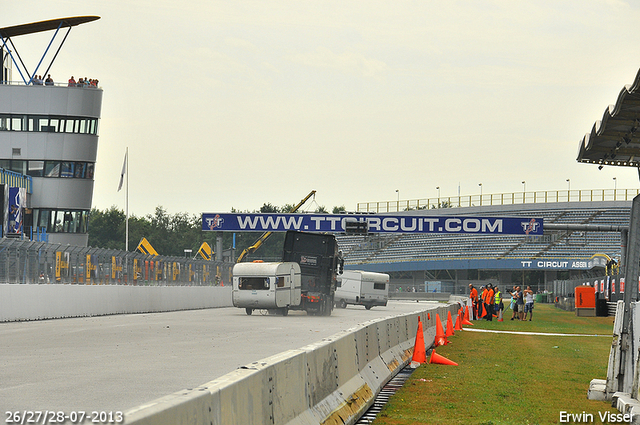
[522, 303]
[82, 82]
[38, 81]
[488, 302]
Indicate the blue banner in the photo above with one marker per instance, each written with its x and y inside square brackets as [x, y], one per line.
[17, 203]
[238, 222]
[477, 263]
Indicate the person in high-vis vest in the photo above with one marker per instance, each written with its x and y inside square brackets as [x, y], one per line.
[498, 307]
[473, 295]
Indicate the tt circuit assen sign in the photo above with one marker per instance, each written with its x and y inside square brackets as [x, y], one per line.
[234, 222]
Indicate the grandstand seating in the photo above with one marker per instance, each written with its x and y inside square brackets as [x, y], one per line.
[393, 248]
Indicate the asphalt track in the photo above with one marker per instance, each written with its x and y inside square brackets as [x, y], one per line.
[114, 363]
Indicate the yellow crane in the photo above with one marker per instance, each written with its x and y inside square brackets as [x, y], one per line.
[257, 244]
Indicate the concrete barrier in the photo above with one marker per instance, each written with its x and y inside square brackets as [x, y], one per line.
[419, 296]
[332, 381]
[33, 302]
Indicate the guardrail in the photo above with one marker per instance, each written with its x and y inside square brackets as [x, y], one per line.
[593, 195]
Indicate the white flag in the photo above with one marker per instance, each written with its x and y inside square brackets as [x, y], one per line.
[124, 167]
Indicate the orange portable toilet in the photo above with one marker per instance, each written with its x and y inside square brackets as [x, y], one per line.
[585, 301]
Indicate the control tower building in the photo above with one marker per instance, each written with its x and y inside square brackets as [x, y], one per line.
[48, 131]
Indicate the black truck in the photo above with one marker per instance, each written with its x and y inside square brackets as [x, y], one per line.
[320, 263]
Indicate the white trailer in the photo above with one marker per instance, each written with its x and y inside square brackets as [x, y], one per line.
[269, 286]
[362, 288]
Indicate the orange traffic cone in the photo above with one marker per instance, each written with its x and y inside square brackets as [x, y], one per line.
[500, 319]
[483, 311]
[458, 326]
[440, 338]
[449, 331]
[419, 350]
[429, 316]
[465, 319]
[438, 359]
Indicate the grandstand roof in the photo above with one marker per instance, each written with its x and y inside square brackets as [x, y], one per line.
[615, 140]
[49, 25]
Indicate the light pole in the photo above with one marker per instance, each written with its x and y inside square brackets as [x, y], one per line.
[480, 184]
[615, 187]
[398, 193]
[524, 186]
[438, 188]
[568, 190]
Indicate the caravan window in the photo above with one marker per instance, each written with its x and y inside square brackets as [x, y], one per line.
[280, 282]
[254, 283]
[381, 286]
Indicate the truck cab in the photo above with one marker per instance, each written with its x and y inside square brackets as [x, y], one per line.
[320, 264]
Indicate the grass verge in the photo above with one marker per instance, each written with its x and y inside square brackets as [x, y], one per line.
[508, 378]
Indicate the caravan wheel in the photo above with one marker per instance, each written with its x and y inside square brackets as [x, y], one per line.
[343, 304]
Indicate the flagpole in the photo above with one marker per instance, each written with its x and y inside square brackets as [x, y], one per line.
[126, 204]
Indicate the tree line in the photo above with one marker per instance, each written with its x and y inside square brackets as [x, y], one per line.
[171, 234]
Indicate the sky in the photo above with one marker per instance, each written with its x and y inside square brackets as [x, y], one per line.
[233, 104]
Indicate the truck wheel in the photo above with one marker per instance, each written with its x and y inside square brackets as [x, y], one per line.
[249, 311]
[343, 304]
[368, 307]
[285, 311]
[325, 308]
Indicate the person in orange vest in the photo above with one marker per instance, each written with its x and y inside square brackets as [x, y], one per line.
[473, 295]
[488, 299]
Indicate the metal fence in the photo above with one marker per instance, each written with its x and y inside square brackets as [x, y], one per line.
[608, 287]
[539, 197]
[24, 261]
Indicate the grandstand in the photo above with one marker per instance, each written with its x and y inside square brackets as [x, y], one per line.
[412, 259]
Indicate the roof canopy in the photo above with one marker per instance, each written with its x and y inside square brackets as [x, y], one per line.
[51, 24]
[616, 139]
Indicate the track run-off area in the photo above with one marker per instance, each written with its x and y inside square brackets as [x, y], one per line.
[118, 362]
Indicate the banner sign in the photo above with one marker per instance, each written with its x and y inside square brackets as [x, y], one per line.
[238, 222]
[17, 203]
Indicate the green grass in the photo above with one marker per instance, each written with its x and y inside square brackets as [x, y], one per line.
[507, 378]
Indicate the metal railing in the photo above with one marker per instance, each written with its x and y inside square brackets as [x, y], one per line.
[55, 84]
[13, 179]
[32, 262]
[540, 197]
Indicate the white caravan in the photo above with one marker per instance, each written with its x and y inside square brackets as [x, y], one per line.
[269, 286]
[362, 288]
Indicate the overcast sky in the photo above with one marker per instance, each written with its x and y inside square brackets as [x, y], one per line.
[237, 103]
